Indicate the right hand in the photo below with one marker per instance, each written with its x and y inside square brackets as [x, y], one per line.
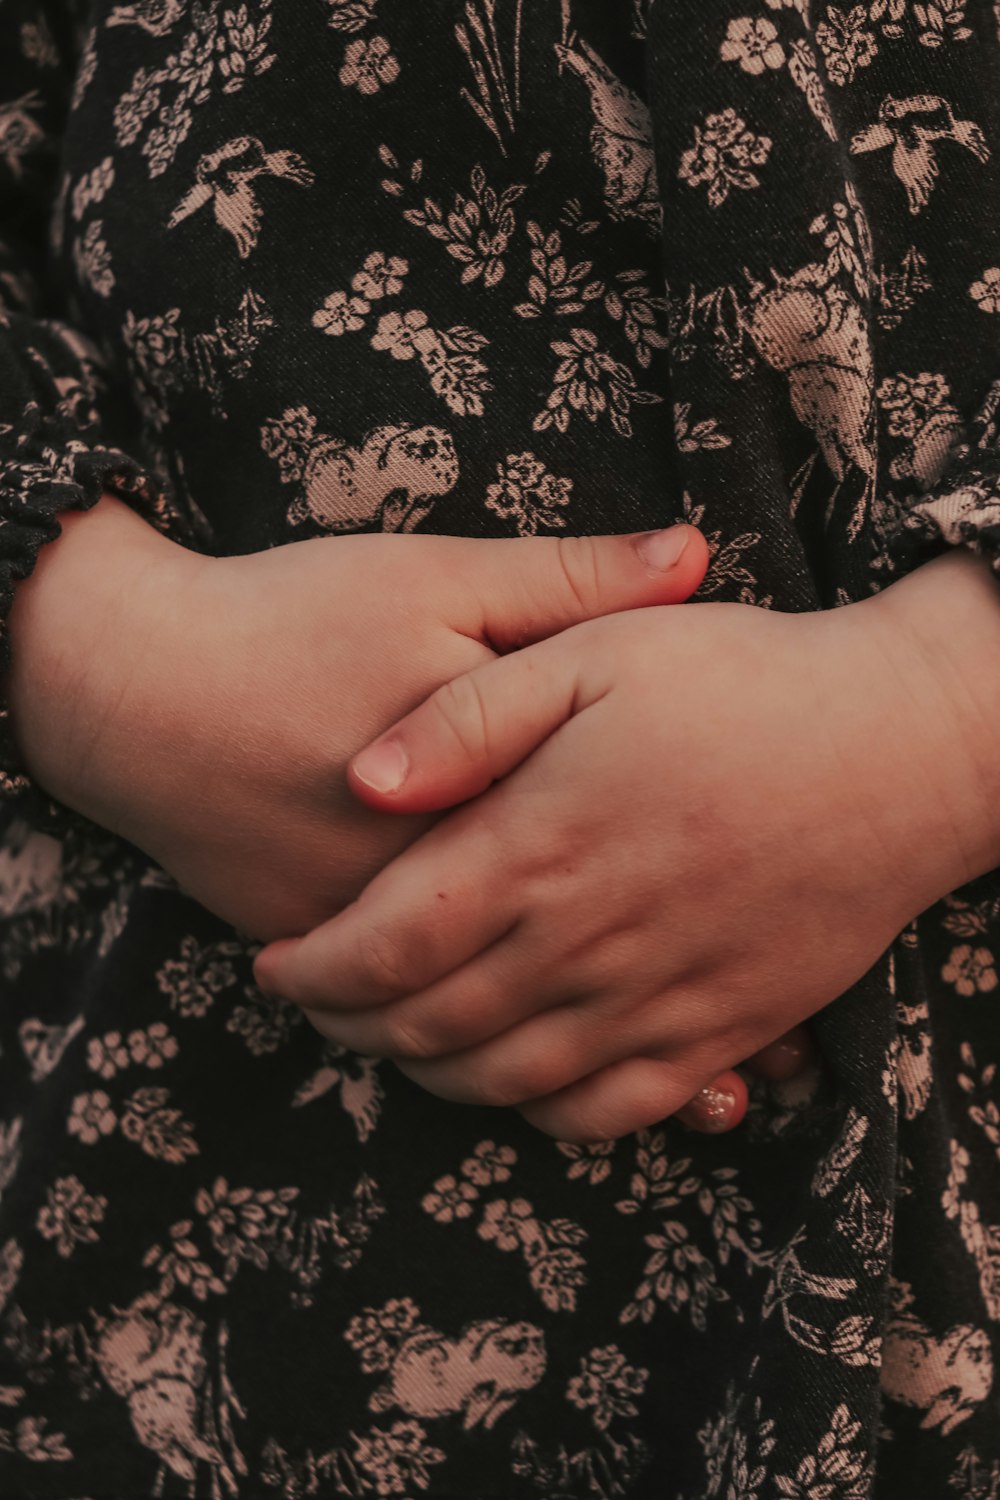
[206, 708]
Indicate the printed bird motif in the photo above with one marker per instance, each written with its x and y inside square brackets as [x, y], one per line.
[43, 1046]
[361, 1092]
[154, 16]
[911, 127]
[226, 176]
[153, 1355]
[621, 138]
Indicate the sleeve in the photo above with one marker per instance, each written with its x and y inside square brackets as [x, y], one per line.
[54, 448]
[962, 509]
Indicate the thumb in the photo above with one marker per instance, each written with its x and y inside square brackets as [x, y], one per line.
[527, 588]
[471, 731]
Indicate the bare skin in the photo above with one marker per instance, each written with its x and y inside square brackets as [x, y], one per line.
[206, 709]
[805, 784]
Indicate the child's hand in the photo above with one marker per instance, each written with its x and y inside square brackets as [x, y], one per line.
[206, 708]
[712, 822]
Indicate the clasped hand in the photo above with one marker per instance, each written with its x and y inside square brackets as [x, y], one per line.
[677, 833]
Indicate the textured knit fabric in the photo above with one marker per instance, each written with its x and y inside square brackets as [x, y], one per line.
[294, 268]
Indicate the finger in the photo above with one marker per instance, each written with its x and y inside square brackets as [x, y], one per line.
[503, 986]
[784, 1058]
[718, 1107]
[422, 916]
[527, 588]
[629, 1095]
[474, 730]
[550, 1051]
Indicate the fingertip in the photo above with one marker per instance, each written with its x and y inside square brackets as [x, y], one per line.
[268, 964]
[381, 769]
[687, 577]
[784, 1058]
[718, 1107]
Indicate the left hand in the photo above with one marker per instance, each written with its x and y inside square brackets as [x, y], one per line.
[711, 823]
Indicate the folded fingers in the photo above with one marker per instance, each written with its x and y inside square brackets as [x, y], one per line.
[424, 915]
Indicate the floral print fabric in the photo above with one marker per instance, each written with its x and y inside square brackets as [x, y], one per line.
[275, 270]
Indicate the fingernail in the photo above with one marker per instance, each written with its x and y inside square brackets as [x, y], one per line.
[793, 1056]
[662, 550]
[383, 767]
[715, 1108]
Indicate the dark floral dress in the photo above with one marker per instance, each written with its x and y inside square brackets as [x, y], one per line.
[284, 268]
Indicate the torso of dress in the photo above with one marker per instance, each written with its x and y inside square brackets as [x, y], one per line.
[490, 268]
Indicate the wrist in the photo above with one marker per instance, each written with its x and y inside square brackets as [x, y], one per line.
[939, 633]
[83, 627]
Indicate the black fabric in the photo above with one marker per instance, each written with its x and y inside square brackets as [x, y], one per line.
[592, 266]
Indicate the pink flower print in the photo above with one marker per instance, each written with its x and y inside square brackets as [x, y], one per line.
[449, 1199]
[165, 138]
[903, 422]
[38, 1446]
[264, 1025]
[511, 1224]
[489, 1164]
[555, 1274]
[90, 1117]
[368, 64]
[11, 1261]
[243, 1223]
[459, 379]
[156, 341]
[607, 1385]
[896, 395]
[351, 15]
[528, 494]
[589, 1161]
[930, 390]
[396, 1460]
[288, 440]
[985, 293]
[970, 970]
[161, 1132]
[193, 981]
[724, 150]
[405, 334]
[380, 276]
[341, 314]
[105, 1055]
[298, 425]
[846, 41]
[152, 1047]
[69, 1215]
[752, 42]
[181, 1266]
[376, 1333]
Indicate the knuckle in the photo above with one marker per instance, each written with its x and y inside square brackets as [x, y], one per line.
[383, 962]
[578, 561]
[496, 1088]
[403, 1037]
[586, 1128]
[540, 1077]
[508, 1086]
[462, 710]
